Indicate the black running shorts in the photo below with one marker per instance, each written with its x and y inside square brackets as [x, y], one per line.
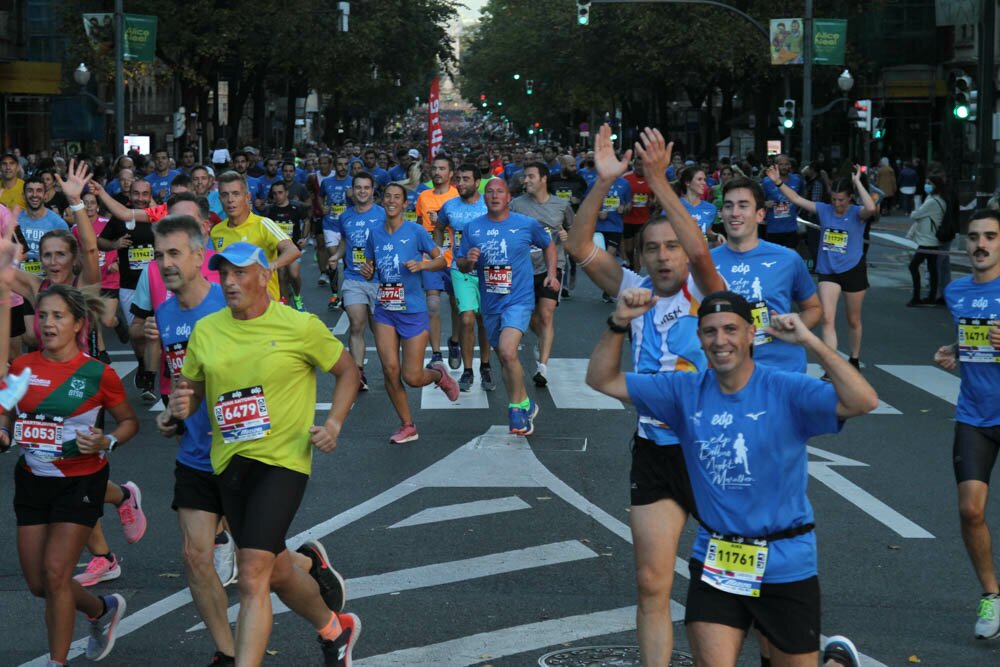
[658, 473]
[196, 490]
[259, 502]
[852, 280]
[45, 500]
[787, 614]
[974, 452]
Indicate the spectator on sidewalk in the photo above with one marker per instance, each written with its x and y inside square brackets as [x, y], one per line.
[926, 221]
[885, 179]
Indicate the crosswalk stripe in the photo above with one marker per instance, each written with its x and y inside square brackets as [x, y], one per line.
[931, 379]
[463, 511]
[342, 325]
[568, 387]
[883, 408]
[123, 368]
[432, 398]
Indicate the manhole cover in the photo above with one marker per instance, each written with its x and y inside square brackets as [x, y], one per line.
[605, 656]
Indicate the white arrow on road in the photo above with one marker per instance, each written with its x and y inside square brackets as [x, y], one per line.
[866, 502]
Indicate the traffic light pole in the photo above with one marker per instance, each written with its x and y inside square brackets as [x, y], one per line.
[987, 95]
[119, 147]
[807, 87]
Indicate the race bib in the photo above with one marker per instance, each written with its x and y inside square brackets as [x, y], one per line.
[286, 227]
[564, 194]
[612, 203]
[761, 319]
[410, 216]
[499, 278]
[735, 567]
[392, 296]
[458, 239]
[337, 209]
[358, 257]
[39, 433]
[782, 209]
[242, 415]
[139, 257]
[835, 240]
[32, 266]
[174, 357]
[974, 341]
[640, 200]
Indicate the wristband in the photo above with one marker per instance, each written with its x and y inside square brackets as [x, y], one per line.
[615, 328]
[780, 183]
[5, 430]
[79, 206]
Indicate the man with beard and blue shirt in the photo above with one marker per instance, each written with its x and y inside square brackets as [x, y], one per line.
[782, 213]
[262, 195]
[453, 217]
[772, 278]
[743, 428]
[335, 193]
[162, 175]
[380, 175]
[974, 304]
[498, 247]
[359, 294]
[35, 221]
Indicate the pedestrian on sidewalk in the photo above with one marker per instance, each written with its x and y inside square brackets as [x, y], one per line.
[926, 221]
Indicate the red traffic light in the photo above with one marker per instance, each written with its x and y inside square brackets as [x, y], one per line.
[537, 124]
[859, 105]
[482, 97]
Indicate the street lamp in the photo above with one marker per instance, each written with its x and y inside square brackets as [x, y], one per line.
[81, 75]
[845, 81]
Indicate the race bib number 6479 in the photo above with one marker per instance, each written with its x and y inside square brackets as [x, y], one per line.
[242, 415]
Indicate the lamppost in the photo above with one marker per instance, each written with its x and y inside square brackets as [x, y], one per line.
[845, 81]
[81, 75]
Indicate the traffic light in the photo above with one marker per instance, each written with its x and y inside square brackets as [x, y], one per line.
[529, 86]
[863, 120]
[517, 77]
[878, 128]
[482, 97]
[966, 98]
[788, 114]
[583, 12]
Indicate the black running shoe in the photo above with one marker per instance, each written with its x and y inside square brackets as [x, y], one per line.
[337, 652]
[331, 584]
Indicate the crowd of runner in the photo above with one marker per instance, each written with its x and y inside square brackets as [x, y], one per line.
[198, 268]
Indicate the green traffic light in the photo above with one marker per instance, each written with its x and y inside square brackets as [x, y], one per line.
[961, 111]
[517, 77]
[788, 123]
[583, 19]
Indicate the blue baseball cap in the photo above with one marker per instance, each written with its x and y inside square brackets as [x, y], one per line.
[239, 254]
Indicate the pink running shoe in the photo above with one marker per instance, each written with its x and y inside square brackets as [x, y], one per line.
[406, 433]
[131, 515]
[99, 569]
[447, 383]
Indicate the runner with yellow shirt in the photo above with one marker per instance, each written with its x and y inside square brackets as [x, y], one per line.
[254, 363]
[243, 225]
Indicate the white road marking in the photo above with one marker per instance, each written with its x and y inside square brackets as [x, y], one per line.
[568, 387]
[123, 368]
[432, 398]
[463, 511]
[342, 325]
[866, 502]
[883, 408]
[931, 379]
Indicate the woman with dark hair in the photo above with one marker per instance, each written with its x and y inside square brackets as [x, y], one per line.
[62, 473]
[690, 187]
[840, 266]
[927, 219]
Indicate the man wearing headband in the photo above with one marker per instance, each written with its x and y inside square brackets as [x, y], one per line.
[743, 429]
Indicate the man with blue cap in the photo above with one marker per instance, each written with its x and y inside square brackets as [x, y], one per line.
[254, 364]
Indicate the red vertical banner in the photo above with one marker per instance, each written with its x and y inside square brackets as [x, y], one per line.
[434, 132]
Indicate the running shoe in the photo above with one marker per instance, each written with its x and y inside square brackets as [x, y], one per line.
[541, 378]
[146, 384]
[220, 659]
[454, 354]
[854, 361]
[486, 378]
[564, 293]
[121, 330]
[224, 558]
[14, 389]
[331, 584]
[435, 358]
[447, 383]
[323, 280]
[299, 305]
[406, 433]
[137, 377]
[607, 298]
[522, 422]
[364, 381]
[465, 382]
[841, 650]
[333, 303]
[99, 569]
[988, 623]
[132, 517]
[103, 629]
[337, 652]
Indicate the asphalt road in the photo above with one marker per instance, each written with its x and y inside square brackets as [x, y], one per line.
[473, 547]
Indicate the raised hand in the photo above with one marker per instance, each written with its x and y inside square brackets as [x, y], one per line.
[608, 166]
[632, 303]
[655, 152]
[77, 177]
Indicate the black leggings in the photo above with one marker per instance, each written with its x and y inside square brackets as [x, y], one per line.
[932, 270]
